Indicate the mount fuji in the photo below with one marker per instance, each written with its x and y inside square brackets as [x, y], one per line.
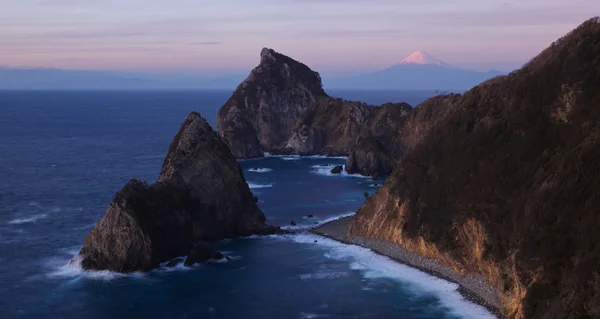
[418, 71]
[422, 58]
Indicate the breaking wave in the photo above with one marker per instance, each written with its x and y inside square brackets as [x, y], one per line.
[372, 265]
[26, 220]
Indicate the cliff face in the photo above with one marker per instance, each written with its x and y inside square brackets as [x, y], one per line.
[200, 160]
[370, 158]
[263, 110]
[505, 183]
[200, 194]
[281, 108]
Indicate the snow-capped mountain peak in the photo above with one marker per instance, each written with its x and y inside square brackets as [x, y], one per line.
[421, 57]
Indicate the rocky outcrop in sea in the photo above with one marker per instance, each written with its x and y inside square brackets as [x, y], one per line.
[200, 195]
[281, 108]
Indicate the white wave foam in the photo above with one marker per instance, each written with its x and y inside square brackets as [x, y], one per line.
[73, 269]
[30, 219]
[231, 256]
[326, 171]
[323, 274]
[316, 222]
[35, 204]
[252, 237]
[298, 157]
[283, 157]
[326, 157]
[372, 265]
[310, 315]
[88, 226]
[375, 185]
[260, 170]
[179, 267]
[252, 185]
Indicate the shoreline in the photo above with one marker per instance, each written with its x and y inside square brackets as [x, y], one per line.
[472, 287]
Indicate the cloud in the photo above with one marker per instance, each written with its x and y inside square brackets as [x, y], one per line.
[205, 43]
[369, 34]
[511, 16]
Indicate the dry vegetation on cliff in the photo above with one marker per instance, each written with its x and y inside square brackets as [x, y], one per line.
[504, 181]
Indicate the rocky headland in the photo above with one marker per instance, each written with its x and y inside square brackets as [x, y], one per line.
[281, 108]
[200, 195]
[502, 183]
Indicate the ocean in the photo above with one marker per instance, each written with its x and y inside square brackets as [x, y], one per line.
[65, 154]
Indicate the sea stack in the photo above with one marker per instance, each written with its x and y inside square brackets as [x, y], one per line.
[200, 195]
[264, 109]
[281, 108]
[503, 182]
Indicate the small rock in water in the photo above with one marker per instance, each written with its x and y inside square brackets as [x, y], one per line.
[315, 241]
[337, 170]
[175, 262]
[202, 253]
[310, 216]
[293, 223]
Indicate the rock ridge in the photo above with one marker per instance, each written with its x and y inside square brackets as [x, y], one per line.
[502, 182]
[281, 108]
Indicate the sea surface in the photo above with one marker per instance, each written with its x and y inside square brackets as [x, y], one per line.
[63, 155]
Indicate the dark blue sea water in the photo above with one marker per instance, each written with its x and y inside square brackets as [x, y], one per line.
[63, 155]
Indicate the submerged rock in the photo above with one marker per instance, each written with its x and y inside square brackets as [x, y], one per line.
[200, 253]
[337, 169]
[174, 262]
[200, 194]
[293, 223]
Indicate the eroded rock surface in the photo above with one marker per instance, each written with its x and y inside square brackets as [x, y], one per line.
[281, 108]
[370, 158]
[201, 194]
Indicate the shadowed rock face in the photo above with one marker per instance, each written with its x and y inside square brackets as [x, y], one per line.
[370, 158]
[199, 159]
[504, 182]
[200, 194]
[281, 108]
[262, 112]
[143, 226]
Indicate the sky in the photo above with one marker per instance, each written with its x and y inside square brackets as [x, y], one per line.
[222, 36]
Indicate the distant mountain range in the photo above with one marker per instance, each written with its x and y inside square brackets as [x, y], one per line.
[419, 70]
[59, 79]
